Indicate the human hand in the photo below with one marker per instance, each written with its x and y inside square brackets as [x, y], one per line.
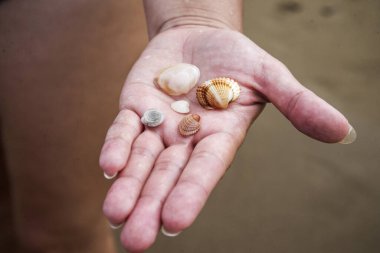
[164, 178]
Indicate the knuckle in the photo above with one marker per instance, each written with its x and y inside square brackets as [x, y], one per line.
[205, 154]
[199, 187]
[167, 165]
[116, 131]
[292, 104]
[125, 115]
[124, 125]
[142, 151]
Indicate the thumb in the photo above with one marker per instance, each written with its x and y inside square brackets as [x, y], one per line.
[307, 112]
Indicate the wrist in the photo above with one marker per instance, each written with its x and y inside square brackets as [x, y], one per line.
[194, 20]
[162, 15]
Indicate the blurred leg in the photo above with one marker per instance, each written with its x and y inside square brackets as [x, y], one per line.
[7, 236]
[62, 66]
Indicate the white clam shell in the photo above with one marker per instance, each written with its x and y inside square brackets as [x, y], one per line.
[180, 106]
[152, 118]
[178, 79]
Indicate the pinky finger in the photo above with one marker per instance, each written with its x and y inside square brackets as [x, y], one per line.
[118, 142]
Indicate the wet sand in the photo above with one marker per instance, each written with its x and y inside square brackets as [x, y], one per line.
[284, 191]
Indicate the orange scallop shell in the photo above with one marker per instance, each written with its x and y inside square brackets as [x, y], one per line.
[217, 93]
[189, 124]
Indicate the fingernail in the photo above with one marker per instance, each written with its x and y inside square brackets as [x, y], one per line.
[350, 137]
[165, 232]
[108, 176]
[116, 226]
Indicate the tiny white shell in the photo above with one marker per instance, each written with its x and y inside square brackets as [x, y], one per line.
[180, 106]
[178, 79]
[152, 118]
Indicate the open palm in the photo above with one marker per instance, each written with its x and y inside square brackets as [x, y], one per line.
[164, 178]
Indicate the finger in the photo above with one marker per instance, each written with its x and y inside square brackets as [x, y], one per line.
[207, 164]
[142, 227]
[307, 112]
[119, 139]
[123, 194]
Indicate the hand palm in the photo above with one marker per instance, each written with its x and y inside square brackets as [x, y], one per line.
[169, 177]
[207, 50]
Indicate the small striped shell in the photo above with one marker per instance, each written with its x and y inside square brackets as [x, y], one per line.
[217, 93]
[189, 124]
[152, 118]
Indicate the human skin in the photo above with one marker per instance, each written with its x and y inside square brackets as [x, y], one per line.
[62, 65]
[164, 179]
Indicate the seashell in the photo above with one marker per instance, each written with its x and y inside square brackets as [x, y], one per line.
[189, 124]
[217, 93]
[181, 106]
[152, 118]
[178, 79]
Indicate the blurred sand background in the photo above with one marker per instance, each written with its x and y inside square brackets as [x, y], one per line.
[284, 191]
